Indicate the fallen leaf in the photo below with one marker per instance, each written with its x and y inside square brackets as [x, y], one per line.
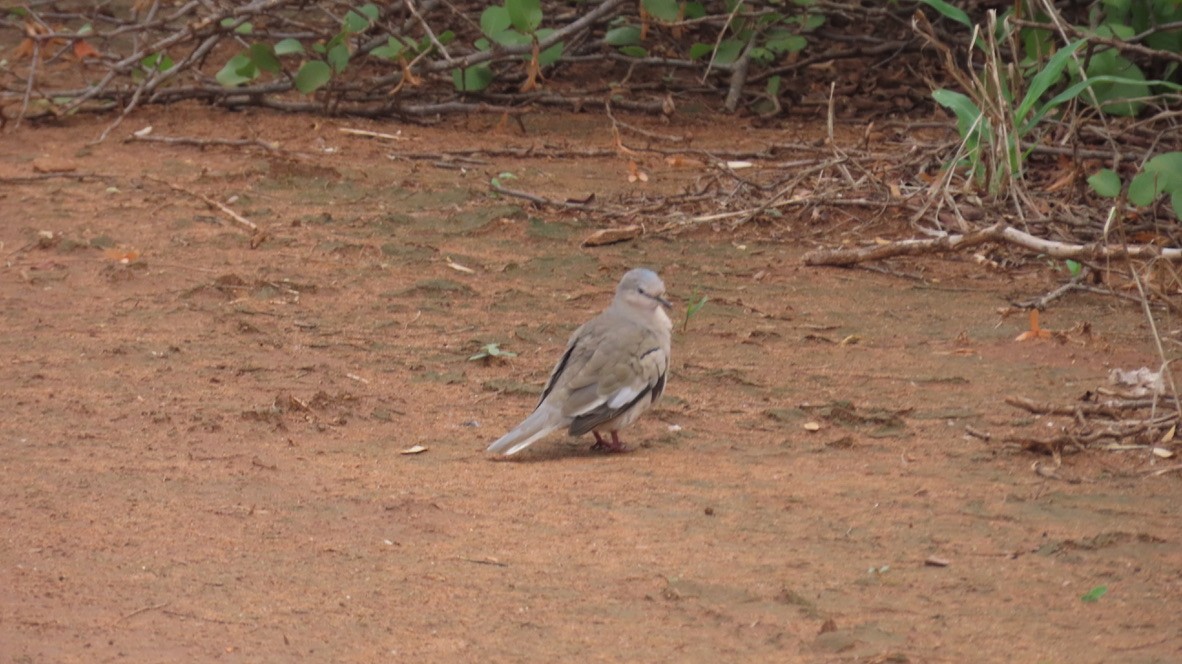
[1162, 452]
[812, 426]
[612, 236]
[460, 268]
[677, 161]
[417, 449]
[124, 256]
[83, 50]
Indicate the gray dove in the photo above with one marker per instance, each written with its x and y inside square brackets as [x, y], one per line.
[612, 371]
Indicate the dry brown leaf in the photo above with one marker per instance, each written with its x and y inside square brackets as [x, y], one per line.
[612, 236]
[678, 161]
[122, 255]
[83, 50]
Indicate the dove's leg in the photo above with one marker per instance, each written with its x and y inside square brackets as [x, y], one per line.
[616, 445]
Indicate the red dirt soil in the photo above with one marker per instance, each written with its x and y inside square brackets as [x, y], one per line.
[200, 445]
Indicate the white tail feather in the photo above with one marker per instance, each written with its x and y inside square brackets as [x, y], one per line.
[541, 423]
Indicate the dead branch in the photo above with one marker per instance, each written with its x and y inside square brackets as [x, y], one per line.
[237, 218]
[996, 233]
[1111, 408]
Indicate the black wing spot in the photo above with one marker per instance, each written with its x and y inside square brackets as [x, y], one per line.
[557, 372]
[659, 388]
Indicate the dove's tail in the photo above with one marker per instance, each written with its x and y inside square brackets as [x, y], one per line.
[542, 422]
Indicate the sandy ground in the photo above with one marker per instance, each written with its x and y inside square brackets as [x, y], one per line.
[201, 442]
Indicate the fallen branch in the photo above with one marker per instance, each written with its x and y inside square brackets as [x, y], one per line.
[996, 233]
[202, 142]
[1111, 408]
[239, 219]
[541, 200]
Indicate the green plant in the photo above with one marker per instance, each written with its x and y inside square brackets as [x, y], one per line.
[769, 35]
[490, 351]
[766, 36]
[1094, 595]
[695, 305]
[1160, 175]
[505, 175]
[327, 59]
[1005, 104]
[514, 23]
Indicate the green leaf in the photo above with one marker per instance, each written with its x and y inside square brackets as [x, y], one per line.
[1049, 75]
[288, 46]
[1162, 174]
[551, 54]
[1073, 267]
[762, 56]
[728, 51]
[245, 28]
[773, 86]
[86, 29]
[662, 10]
[511, 37]
[1145, 188]
[966, 111]
[1169, 163]
[782, 41]
[1094, 594]
[263, 56]
[948, 11]
[811, 22]
[491, 350]
[313, 76]
[695, 10]
[355, 22]
[472, 79]
[625, 35]
[525, 15]
[371, 11]
[240, 69]
[1073, 91]
[634, 51]
[1105, 182]
[1114, 95]
[390, 51]
[157, 61]
[338, 57]
[700, 50]
[494, 20]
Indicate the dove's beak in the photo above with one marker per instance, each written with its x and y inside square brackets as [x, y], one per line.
[664, 303]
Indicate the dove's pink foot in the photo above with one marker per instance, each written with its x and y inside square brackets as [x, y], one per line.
[616, 446]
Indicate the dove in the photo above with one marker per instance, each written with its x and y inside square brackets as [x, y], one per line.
[613, 370]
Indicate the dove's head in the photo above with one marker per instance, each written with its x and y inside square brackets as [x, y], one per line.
[643, 290]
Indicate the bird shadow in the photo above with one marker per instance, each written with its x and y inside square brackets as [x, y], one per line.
[568, 451]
